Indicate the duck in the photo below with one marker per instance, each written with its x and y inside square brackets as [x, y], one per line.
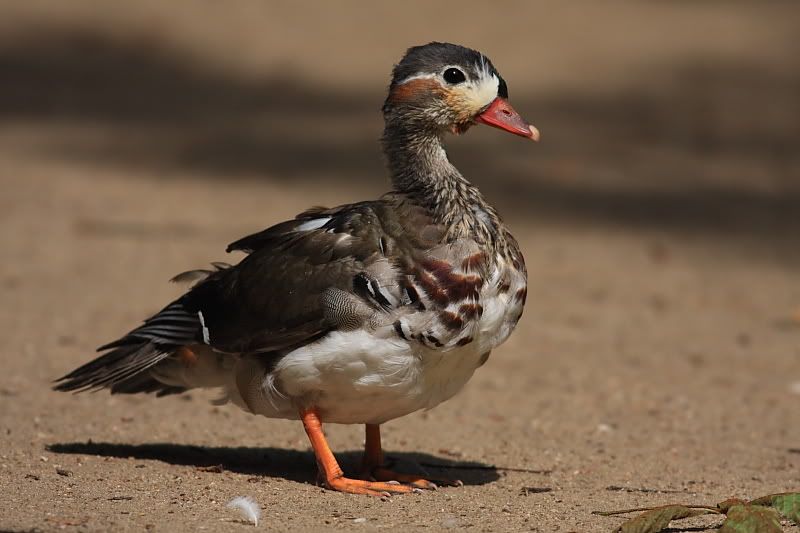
[357, 314]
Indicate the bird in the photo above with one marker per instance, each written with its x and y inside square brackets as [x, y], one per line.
[357, 314]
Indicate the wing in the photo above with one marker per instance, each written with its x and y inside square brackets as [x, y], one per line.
[372, 264]
[327, 269]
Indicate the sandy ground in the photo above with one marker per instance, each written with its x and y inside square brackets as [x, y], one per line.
[658, 360]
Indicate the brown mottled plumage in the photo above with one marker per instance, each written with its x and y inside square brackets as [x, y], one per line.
[359, 313]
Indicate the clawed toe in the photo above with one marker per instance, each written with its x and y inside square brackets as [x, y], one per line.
[413, 480]
[371, 488]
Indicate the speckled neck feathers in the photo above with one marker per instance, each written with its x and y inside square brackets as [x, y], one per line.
[419, 168]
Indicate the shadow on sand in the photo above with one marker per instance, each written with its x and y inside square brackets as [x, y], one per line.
[292, 465]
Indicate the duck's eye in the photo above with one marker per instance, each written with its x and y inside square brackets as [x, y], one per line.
[453, 75]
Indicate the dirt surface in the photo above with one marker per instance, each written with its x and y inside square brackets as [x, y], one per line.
[658, 360]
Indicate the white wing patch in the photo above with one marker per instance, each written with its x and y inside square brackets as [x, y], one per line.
[314, 223]
[206, 336]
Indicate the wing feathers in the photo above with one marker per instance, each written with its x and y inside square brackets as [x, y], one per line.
[130, 356]
[113, 367]
[173, 325]
[326, 269]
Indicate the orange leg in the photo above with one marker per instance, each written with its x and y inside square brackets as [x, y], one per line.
[373, 467]
[333, 477]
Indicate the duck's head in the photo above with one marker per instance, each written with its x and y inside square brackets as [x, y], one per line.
[442, 87]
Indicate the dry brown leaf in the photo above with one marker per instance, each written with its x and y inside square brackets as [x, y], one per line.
[658, 518]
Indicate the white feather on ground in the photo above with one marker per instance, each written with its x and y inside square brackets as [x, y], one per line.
[248, 507]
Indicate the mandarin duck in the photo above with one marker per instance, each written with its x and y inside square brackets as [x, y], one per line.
[357, 314]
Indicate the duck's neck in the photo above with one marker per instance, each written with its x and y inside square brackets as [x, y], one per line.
[420, 169]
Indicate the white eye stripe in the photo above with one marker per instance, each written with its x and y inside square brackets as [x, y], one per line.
[419, 77]
[483, 90]
[432, 76]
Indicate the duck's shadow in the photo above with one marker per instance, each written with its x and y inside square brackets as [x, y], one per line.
[292, 465]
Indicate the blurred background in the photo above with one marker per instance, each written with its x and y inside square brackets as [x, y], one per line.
[676, 116]
[659, 215]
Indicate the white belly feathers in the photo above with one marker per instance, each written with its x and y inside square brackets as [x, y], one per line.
[371, 376]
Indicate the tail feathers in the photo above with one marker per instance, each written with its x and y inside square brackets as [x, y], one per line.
[117, 369]
[173, 325]
[122, 367]
[123, 371]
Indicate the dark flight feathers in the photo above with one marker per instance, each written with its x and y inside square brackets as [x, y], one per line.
[272, 301]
